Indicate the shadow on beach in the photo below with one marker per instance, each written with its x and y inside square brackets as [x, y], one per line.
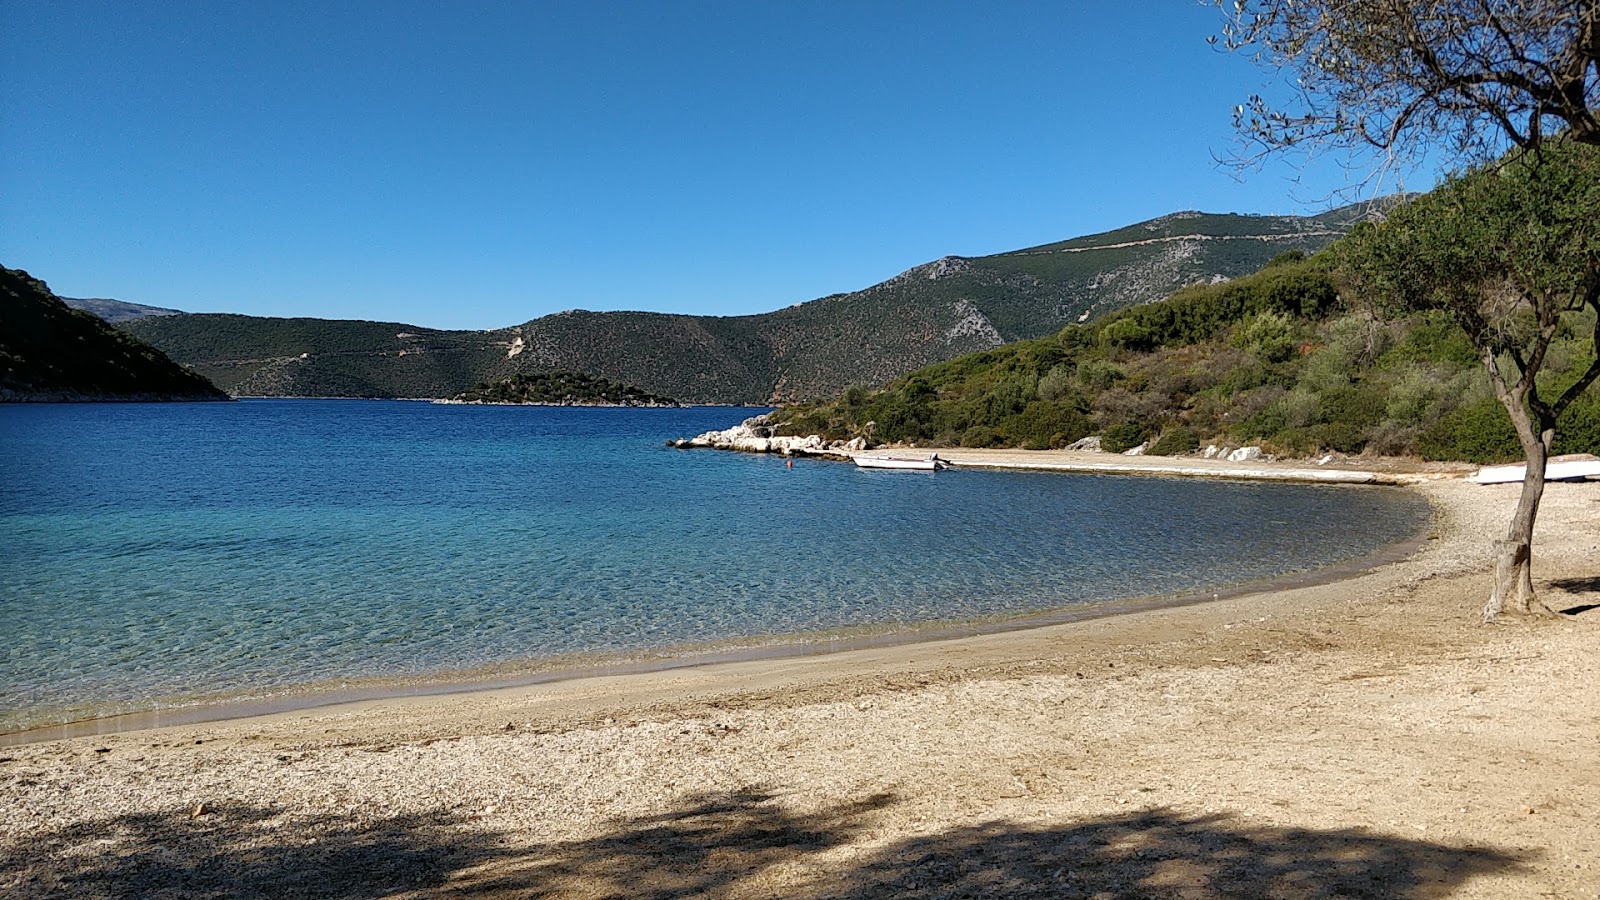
[739, 844]
[1578, 587]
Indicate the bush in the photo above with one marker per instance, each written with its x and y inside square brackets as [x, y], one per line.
[1042, 424]
[1056, 384]
[1340, 437]
[980, 436]
[1128, 334]
[1269, 335]
[1358, 405]
[1578, 430]
[1174, 441]
[1480, 433]
[1123, 436]
[1099, 374]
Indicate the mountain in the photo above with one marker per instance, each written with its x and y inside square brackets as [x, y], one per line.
[51, 352]
[117, 311]
[933, 312]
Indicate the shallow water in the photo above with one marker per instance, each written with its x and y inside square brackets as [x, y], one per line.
[158, 555]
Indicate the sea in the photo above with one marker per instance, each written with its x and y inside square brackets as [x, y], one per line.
[171, 556]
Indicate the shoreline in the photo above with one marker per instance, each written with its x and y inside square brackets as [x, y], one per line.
[645, 661]
[759, 648]
[1362, 737]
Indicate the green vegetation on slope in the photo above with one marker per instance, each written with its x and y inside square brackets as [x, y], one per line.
[561, 389]
[50, 352]
[813, 350]
[1273, 358]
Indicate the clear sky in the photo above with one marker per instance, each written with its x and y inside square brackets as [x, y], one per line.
[477, 165]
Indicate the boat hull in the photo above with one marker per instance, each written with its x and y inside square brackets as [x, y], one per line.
[909, 463]
[1556, 469]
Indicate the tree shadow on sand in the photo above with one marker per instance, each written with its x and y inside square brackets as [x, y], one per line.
[727, 845]
[1590, 585]
[1164, 854]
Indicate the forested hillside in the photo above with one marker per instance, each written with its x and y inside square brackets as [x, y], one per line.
[1276, 358]
[933, 312]
[50, 352]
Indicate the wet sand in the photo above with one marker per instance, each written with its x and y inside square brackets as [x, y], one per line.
[1359, 738]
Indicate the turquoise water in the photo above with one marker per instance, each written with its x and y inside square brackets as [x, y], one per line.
[157, 555]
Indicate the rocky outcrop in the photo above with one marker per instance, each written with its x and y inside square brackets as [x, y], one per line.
[757, 435]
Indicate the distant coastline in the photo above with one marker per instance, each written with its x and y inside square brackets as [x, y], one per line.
[584, 403]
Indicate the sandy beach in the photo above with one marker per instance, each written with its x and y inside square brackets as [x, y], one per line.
[1361, 738]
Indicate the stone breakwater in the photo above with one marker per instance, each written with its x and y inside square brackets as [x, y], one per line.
[757, 435]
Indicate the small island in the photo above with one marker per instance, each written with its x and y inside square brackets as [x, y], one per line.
[560, 389]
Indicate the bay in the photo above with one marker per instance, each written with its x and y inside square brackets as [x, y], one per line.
[157, 555]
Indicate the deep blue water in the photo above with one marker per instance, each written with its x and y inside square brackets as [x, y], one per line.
[161, 554]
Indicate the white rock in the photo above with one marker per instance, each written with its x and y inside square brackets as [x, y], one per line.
[1136, 451]
[1245, 454]
[1089, 444]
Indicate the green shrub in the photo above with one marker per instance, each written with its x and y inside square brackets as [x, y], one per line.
[1340, 437]
[1479, 433]
[1056, 384]
[1269, 335]
[980, 436]
[1128, 334]
[1358, 405]
[1045, 423]
[1123, 436]
[1179, 439]
[1099, 374]
[1482, 433]
[1578, 430]
[1433, 337]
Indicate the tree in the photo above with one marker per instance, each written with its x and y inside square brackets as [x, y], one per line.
[1472, 78]
[1512, 253]
[1507, 85]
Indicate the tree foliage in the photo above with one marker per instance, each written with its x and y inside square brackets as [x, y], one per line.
[1486, 82]
[1473, 78]
[1512, 253]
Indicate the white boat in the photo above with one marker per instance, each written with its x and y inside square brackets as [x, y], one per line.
[1556, 468]
[929, 463]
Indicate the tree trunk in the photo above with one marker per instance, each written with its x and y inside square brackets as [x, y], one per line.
[1513, 576]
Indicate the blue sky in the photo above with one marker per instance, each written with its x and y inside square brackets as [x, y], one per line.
[477, 165]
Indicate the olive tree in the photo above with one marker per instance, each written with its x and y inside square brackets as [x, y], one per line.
[1506, 86]
[1512, 253]
[1470, 78]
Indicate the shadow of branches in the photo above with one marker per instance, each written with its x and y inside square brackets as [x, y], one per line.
[726, 845]
[239, 851]
[1589, 585]
[1163, 854]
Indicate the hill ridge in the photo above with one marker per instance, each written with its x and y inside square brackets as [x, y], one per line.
[925, 314]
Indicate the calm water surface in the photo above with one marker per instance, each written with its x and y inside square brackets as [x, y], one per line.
[158, 555]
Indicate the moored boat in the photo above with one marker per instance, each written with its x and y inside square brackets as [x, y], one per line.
[1556, 468]
[929, 463]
